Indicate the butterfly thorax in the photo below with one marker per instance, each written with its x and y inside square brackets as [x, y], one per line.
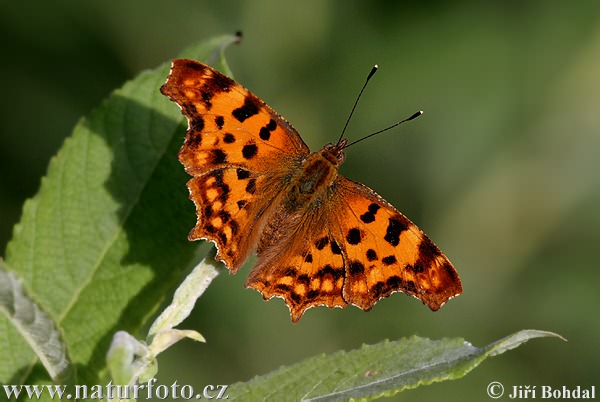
[315, 175]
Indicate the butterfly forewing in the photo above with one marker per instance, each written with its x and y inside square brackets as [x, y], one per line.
[228, 125]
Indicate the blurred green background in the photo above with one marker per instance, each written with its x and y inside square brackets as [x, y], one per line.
[502, 171]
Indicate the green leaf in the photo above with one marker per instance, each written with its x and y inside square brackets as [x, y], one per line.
[106, 236]
[377, 370]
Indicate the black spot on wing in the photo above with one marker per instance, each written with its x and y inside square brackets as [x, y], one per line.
[220, 185]
[249, 151]
[303, 279]
[223, 237]
[291, 272]
[197, 123]
[394, 282]
[389, 260]
[373, 208]
[335, 248]
[224, 192]
[218, 175]
[356, 267]
[251, 186]
[272, 125]
[247, 110]
[235, 227]
[392, 234]
[354, 236]
[242, 174]
[296, 297]
[417, 268]
[206, 97]
[219, 121]
[218, 156]
[283, 287]
[322, 242]
[378, 289]
[229, 138]
[329, 270]
[224, 215]
[371, 255]
[220, 83]
[311, 294]
[265, 132]
[369, 216]
[194, 139]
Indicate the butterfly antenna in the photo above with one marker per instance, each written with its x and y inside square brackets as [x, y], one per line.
[373, 71]
[414, 116]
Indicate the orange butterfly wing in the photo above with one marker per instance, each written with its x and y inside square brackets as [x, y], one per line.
[236, 148]
[385, 252]
[305, 266]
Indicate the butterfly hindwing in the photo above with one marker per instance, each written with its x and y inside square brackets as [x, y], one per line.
[304, 273]
[225, 199]
[385, 252]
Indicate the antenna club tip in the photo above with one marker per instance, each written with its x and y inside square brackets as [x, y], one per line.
[373, 71]
[415, 115]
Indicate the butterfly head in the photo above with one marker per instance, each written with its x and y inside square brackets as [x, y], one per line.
[334, 153]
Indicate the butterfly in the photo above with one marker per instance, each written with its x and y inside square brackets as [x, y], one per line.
[320, 238]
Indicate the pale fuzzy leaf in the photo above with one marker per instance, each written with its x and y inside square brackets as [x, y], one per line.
[516, 340]
[124, 356]
[36, 327]
[149, 372]
[184, 299]
[166, 338]
[377, 370]
[129, 360]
